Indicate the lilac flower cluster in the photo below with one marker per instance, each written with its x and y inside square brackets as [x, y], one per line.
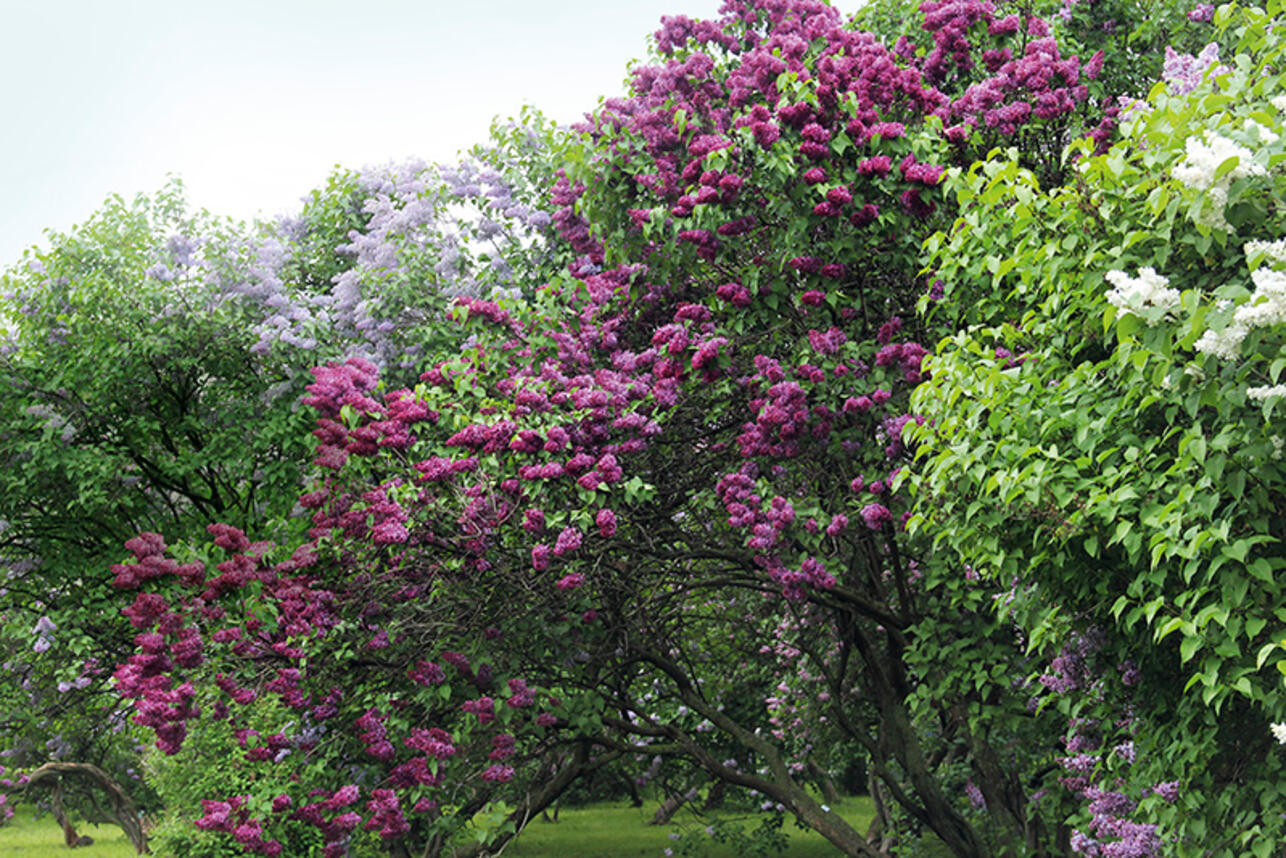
[1184, 72]
[253, 272]
[1202, 13]
[44, 632]
[1041, 84]
[6, 808]
[1093, 760]
[461, 230]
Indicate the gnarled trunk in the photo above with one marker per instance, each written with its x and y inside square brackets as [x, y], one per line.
[123, 809]
[667, 810]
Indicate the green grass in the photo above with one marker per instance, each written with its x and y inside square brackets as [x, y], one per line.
[616, 830]
[605, 830]
[26, 837]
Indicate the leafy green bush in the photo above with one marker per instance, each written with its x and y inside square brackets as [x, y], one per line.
[204, 768]
[1105, 438]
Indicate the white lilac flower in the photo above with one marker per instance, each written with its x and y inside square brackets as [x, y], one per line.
[1212, 214]
[1224, 344]
[1279, 732]
[1147, 291]
[1267, 306]
[1262, 393]
[1203, 160]
[1274, 251]
[1279, 102]
[1199, 171]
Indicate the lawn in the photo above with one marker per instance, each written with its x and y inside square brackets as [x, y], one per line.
[605, 830]
[613, 829]
[26, 837]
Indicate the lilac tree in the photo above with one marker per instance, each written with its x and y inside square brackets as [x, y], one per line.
[153, 362]
[705, 409]
[632, 480]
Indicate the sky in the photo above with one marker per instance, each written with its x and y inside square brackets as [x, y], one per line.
[253, 103]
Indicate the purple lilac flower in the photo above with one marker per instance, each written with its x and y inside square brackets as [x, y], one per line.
[876, 515]
[1184, 72]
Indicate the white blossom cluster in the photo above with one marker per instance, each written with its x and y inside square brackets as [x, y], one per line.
[1225, 344]
[1274, 251]
[1262, 393]
[1203, 159]
[1136, 294]
[1279, 102]
[1279, 732]
[1266, 307]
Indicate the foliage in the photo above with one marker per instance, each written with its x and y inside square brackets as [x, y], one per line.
[1103, 436]
[201, 769]
[153, 362]
[128, 402]
[678, 450]
[675, 486]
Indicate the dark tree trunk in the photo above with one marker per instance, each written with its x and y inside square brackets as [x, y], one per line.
[70, 838]
[123, 810]
[880, 834]
[667, 810]
[939, 814]
[636, 800]
[776, 784]
[824, 782]
[398, 849]
[714, 798]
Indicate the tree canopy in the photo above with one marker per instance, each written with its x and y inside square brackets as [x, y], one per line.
[903, 395]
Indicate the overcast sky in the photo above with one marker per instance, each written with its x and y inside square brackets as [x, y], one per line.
[252, 103]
